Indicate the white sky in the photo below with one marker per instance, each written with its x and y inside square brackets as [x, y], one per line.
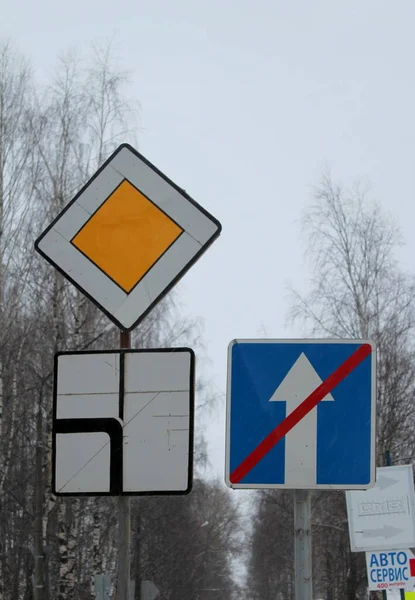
[243, 103]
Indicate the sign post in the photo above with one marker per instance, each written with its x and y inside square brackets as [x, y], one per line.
[124, 546]
[301, 415]
[124, 521]
[124, 241]
[302, 545]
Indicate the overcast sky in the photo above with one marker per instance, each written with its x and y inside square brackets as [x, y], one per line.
[243, 103]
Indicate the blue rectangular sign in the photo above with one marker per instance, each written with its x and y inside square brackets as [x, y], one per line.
[301, 414]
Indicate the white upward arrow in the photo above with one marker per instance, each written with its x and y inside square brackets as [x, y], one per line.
[301, 441]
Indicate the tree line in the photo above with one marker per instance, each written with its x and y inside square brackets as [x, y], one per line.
[52, 139]
[357, 290]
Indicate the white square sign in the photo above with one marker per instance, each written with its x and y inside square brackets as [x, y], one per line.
[383, 516]
[123, 422]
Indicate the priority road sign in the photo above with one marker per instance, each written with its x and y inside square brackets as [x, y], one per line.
[127, 237]
[123, 422]
[301, 414]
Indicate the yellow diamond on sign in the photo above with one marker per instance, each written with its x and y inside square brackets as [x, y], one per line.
[126, 236]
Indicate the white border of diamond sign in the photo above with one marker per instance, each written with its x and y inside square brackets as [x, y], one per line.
[199, 230]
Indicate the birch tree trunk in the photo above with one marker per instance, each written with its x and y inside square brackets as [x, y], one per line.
[67, 538]
[357, 290]
[49, 147]
[14, 89]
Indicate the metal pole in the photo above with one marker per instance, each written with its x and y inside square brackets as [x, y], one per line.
[302, 545]
[388, 459]
[124, 521]
[38, 552]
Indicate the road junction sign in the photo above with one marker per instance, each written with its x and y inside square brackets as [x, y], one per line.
[123, 422]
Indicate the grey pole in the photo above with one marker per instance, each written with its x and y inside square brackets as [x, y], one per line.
[302, 545]
[388, 457]
[124, 521]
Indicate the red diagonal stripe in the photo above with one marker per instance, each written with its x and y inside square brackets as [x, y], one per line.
[300, 412]
[412, 567]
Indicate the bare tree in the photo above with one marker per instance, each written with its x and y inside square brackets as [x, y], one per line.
[51, 141]
[188, 543]
[271, 560]
[77, 123]
[15, 89]
[357, 290]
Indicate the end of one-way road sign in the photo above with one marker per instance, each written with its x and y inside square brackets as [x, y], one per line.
[301, 414]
